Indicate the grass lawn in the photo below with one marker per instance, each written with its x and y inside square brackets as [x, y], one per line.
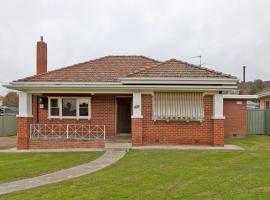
[24, 165]
[172, 175]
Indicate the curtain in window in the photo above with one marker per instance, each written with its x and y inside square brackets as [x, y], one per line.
[186, 106]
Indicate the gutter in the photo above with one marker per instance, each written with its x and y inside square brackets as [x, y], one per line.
[236, 96]
[38, 87]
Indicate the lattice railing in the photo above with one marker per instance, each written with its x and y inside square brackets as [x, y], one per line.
[67, 131]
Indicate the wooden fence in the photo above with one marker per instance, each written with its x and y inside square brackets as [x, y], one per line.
[258, 121]
[8, 125]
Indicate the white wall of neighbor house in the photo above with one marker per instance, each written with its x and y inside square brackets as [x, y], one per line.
[137, 105]
[25, 105]
[218, 106]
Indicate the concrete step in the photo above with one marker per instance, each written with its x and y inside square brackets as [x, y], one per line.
[118, 145]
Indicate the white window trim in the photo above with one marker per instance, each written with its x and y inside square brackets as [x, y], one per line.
[61, 108]
[265, 103]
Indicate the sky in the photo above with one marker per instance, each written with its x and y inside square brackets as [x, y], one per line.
[228, 34]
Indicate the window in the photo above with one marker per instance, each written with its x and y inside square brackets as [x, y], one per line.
[54, 109]
[267, 104]
[83, 107]
[185, 106]
[69, 108]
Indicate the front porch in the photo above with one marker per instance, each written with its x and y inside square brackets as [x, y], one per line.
[75, 120]
[44, 136]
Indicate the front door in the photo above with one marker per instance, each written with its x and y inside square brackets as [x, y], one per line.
[124, 115]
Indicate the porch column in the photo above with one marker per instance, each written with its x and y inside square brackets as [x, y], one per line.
[137, 120]
[218, 120]
[24, 119]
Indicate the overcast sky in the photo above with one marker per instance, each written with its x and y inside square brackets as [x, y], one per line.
[228, 34]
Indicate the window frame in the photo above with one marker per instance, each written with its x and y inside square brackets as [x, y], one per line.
[265, 104]
[60, 100]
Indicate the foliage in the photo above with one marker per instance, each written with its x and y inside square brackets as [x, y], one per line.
[11, 100]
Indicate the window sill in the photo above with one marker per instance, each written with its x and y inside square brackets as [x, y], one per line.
[72, 118]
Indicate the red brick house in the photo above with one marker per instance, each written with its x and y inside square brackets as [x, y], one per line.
[134, 98]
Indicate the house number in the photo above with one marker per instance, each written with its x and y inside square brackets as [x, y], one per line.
[136, 106]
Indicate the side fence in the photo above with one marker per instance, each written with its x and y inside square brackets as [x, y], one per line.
[8, 125]
[258, 121]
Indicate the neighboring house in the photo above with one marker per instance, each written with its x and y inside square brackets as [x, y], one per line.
[4, 110]
[251, 105]
[116, 97]
[1, 100]
[264, 98]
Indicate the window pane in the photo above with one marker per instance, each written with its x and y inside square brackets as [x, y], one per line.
[54, 102]
[54, 107]
[83, 111]
[267, 104]
[54, 111]
[83, 105]
[69, 107]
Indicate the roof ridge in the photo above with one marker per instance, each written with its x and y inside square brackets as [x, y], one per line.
[186, 63]
[89, 61]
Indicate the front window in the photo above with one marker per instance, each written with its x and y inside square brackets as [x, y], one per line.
[54, 109]
[69, 107]
[83, 107]
[184, 106]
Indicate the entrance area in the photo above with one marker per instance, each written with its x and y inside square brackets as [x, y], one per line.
[124, 115]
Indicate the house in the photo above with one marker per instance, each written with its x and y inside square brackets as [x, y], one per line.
[1, 100]
[4, 110]
[127, 98]
[264, 98]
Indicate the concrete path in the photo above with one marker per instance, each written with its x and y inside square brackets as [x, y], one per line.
[188, 147]
[8, 142]
[105, 160]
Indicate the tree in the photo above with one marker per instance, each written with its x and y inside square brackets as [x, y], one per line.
[11, 100]
[256, 86]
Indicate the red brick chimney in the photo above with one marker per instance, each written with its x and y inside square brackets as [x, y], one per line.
[41, 56]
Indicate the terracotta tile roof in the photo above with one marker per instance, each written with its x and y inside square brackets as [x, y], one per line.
[105, 69]
[111, 68]
[179, 69]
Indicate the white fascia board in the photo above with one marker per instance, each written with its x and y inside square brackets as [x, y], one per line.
[264, 94]
[40, 88]
[235, 96]
[194, 81]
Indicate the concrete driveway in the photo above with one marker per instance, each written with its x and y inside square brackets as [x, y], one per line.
[8, 142]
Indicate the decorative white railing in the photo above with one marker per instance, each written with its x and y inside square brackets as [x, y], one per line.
[67, 131]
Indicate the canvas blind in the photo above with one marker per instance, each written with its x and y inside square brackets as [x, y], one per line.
[187, 106]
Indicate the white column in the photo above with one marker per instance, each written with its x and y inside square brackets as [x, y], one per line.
[25, 105]
[137, 105]
[218, 107]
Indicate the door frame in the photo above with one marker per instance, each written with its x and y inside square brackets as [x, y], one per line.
[116, 113]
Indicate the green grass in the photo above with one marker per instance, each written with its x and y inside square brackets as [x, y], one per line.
[172, 175]
[24, 165]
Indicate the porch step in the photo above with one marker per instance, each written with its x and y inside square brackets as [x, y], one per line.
[118, 145]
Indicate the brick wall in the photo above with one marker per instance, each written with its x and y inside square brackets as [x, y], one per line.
[137, 131]
[161, 132]
[236, 117]
[103, 112]
[23, 132]
[62, 144]
[218, 132]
